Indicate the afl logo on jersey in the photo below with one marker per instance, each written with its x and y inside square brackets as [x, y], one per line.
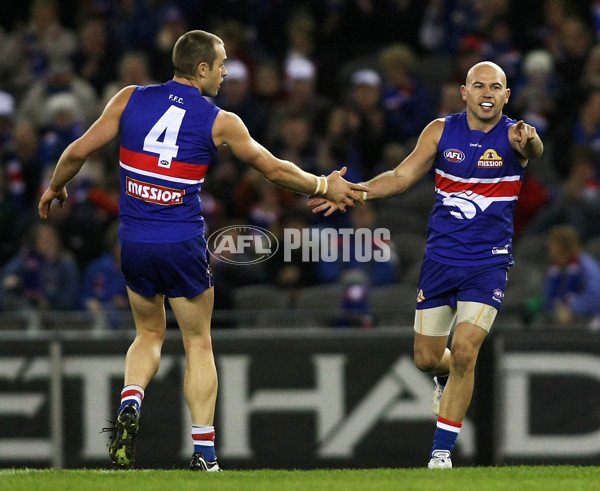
[453, 155]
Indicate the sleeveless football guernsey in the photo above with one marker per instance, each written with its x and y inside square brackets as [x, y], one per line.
[166, 149]
[477, 183]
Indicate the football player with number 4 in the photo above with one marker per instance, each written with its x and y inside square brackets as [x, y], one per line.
[479, 157]
[169, 134]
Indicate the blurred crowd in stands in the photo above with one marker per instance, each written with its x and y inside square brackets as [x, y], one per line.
[324, 83]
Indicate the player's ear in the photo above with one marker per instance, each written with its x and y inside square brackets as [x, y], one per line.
[202, 69]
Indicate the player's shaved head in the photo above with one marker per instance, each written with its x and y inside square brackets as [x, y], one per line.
[193, 48]
[488, 68]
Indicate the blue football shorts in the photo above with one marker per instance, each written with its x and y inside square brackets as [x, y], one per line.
[177, 269]
[442, 284]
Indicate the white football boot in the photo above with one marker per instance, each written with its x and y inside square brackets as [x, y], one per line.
[440, 459]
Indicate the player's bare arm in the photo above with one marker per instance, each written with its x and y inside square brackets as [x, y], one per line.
[229, 129]
[104, 130]
[525, 141]
[404, 176]
[412, 168]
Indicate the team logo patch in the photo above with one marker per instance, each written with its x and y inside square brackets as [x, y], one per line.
[498, 295]
[453, 155]
[420, 296]
[490, 159]
[153, 193]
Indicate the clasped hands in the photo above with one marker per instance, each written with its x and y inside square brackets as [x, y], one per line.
[340, 194]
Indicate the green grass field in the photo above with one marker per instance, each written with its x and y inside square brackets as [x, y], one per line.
[557, 478]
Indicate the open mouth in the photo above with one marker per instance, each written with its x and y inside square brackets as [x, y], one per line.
[488, 105]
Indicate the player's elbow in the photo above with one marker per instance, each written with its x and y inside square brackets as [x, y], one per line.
[75, 153]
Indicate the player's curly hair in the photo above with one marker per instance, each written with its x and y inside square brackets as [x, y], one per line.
[193, 48]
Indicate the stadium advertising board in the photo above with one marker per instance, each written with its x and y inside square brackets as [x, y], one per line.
[302, 399]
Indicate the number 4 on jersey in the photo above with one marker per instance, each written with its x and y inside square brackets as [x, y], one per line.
[168, 125]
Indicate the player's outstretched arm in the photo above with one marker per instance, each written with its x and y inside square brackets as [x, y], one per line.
[229, 129]
[403, 177]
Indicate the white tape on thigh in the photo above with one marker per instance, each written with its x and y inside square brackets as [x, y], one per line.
[480, 314]
[437, 321]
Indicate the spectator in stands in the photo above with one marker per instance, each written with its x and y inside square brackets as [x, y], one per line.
[355, 307]
[535, 95]
[60, 79]
[500, 46]
[392, 153]
[377, 273]
[581, 130]
[450, 100]
[578, 201]
[547, 34]
[365, 117]
[574, 43]
[11, 219]
[96, 55]
[268, 84]
[19, 177]
[269, 206]
[257, 203]
[235, 36]
[232, 268]
[339, 151]
[132, 70]
[301, 37]
[88, 212]
[7, 112]
[573, 281]
[294, 272]
[235, 95]
[407, 104]
[586, 130]
[103, 289]
[534, 198]
[470, 51]
[11, 169]
[172, 25]
[26, 151]
[226, 178]
[591, 71]
[445, 24]
[133, 25]
[302, 98]
[64, 124]
[294, 138]
[42, 275]
[31, 49]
